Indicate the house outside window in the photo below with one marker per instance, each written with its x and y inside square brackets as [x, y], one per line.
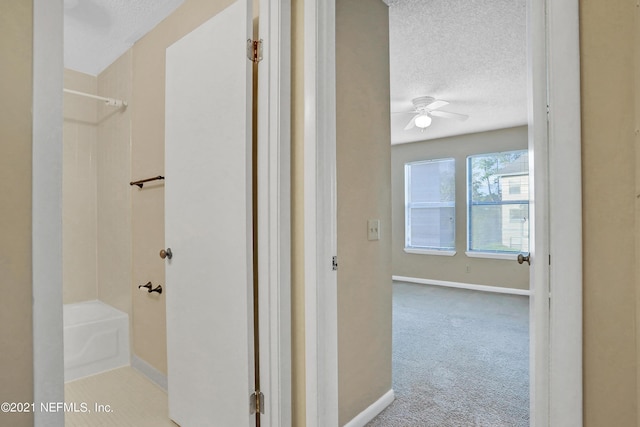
[430, 207]
[498, 203]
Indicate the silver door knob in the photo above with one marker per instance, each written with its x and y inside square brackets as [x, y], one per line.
[522, 258]
[167, 254]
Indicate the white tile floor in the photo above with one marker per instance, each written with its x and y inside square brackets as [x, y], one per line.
[133, 401]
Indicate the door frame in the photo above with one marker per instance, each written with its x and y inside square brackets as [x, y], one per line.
[274, 259]
[274, 211]
[46, 217]
[554, 130]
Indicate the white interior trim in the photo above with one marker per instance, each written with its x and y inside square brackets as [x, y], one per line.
[461, 285]
[565, 199]
[557, 27]
[539, 322]
[274, 211]
[491, 255]
[48, 362]
[321, 302]
[151, 373]
[429, 252]
[372, 411]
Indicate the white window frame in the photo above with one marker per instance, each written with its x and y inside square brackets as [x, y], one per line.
[408, 205]
[481, 253]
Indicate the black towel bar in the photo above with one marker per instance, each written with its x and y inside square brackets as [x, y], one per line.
[141, 182]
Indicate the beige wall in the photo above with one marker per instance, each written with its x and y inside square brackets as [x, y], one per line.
[147, 160]
[363, 192]
[636, 55]
[114, 192]
[609, 119]
[481, 271]
[16, 331]
[79, 190]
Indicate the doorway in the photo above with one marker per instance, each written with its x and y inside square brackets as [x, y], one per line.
[546, 386]
[460, 323]
[274, 254]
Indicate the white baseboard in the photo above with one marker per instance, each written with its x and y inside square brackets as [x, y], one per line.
[460, 285]
[372, 411]
[155, 376]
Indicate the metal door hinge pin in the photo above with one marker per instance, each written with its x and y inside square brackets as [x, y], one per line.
[256, 402]
[254, 50]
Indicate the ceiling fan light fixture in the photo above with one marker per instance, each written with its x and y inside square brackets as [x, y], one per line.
[423, 121]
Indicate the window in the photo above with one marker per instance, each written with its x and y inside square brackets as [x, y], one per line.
[498, 202]
[430, 206]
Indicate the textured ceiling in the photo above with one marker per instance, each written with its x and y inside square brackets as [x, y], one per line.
[97, 32]
[471, 53]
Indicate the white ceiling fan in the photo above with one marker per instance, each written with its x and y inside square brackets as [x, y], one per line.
[425, 108]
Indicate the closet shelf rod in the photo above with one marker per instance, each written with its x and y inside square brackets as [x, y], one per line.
[109, 101]
[140, 183]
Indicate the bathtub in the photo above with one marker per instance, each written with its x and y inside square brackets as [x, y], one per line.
[96, 339]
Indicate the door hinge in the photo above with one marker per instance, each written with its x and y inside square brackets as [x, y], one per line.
[254, 50]
[334, 263]
[256, 402]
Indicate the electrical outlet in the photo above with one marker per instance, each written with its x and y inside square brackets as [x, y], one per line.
[373, 227]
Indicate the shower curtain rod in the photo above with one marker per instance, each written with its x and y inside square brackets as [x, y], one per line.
[111, 102]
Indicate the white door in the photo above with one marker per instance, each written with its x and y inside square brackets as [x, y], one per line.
[208, 217]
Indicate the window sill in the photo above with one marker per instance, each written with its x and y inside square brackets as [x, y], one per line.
[491, 255]
[429, 252]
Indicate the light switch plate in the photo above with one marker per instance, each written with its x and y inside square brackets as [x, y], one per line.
[373, 227]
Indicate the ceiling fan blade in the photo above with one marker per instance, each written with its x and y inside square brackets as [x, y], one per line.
[438, 103]
[404, 112]
[412, 122]
[447, 115]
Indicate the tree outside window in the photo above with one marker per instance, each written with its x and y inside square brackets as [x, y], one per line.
[498, 202]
